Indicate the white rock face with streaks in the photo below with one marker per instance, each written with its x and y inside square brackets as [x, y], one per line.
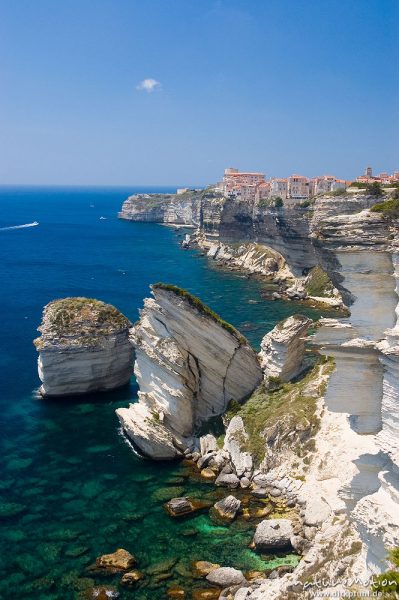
[283, 348]
[189, 365]
[84, 347]
[362, 471]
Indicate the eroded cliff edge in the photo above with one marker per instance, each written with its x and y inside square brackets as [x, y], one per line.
[189, 365]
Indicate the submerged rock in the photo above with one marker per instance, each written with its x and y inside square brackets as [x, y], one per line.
[84, 347]
[179, 507]
[175, 592]
[206, 594]
[272, 534]
[201, 568]
[283, 348]
[189, 365]
[131, 578]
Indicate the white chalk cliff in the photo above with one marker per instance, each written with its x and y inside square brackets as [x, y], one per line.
[189, 365]
[84, 347]
[283, 348]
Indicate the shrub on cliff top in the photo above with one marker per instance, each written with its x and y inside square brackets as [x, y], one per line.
[201, 307]
[374, 189]
[82, 318]
[318, 283]
[389, 208]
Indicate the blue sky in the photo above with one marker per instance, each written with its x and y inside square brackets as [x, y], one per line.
[282, 86]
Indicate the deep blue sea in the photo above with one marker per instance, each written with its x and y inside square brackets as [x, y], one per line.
[70, 487]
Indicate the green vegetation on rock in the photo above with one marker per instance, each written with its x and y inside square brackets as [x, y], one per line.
[201, 307]
[374, 189]
[389, 208]
[338, 192]
[388, 583]
[285, 414]
[319, 284]
[82, 319]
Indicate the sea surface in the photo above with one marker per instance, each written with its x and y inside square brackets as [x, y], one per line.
[71, 488]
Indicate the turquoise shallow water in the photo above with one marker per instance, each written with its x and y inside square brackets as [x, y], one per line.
[71, 488]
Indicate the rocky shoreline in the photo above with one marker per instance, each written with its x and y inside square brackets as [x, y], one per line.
[308, 454]
[339, 247]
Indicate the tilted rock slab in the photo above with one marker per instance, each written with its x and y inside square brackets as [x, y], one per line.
[84, 347]
[283, 348]
[189, 365]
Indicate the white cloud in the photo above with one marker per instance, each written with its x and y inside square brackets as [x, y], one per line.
[148, 85]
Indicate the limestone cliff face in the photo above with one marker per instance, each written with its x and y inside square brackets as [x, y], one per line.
[84, 347]
[182, 209]
[189, 365]
[283, 348]
[305, 236]
[247, 257]
[360, 424]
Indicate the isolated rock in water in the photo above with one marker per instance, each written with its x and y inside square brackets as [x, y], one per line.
[179, 506]
[84, 347]
[228, 507]
[234, 443]
[225, 576]
[121, 560]
[273, 533]
[189, 365]
[283, 348]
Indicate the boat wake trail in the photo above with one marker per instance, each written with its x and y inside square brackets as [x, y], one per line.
[20, 226]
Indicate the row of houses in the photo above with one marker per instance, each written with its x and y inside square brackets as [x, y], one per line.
[382, 178]
[253, 186]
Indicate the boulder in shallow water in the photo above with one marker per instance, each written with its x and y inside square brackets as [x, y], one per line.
[120, 560]
[229, 480]
[227, 508]
[179, 506]
[84, 347]
[273, 534]
[225, 577]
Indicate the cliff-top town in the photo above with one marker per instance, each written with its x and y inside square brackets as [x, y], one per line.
[253, 186]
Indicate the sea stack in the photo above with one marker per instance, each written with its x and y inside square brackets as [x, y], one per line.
[84, 347]
[189, 365]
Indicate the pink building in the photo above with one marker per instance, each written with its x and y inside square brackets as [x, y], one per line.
[233, 179]
[279, 188]
[298, 187]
